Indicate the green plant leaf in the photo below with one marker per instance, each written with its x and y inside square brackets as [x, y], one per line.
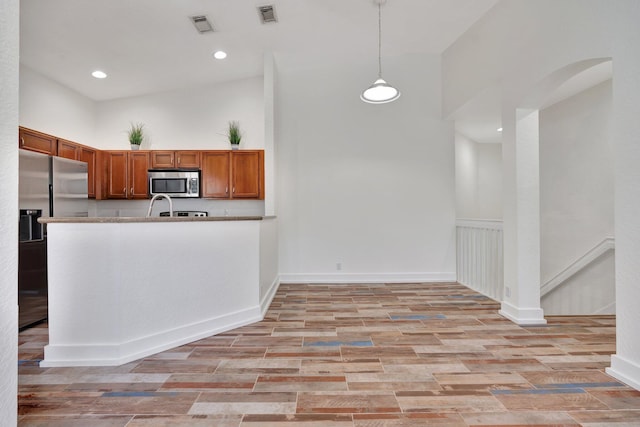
[233, 133]
[136, 133]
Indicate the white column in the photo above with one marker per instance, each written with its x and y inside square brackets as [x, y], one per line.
[625, 364]
[269, 134]
[521, 186]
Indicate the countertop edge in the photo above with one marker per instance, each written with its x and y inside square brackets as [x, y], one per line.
[105, 220]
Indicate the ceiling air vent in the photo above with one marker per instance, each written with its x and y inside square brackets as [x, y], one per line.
[202, 24]
[267, 14]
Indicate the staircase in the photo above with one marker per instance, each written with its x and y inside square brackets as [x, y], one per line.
[586, 286]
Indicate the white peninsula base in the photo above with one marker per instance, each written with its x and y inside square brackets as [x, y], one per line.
[125, 288]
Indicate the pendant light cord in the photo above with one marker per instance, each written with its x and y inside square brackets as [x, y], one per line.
[379, 39]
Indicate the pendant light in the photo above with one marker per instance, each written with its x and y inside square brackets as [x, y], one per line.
[380, 92]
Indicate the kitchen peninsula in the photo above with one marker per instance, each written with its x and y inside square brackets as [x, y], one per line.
[124, 288]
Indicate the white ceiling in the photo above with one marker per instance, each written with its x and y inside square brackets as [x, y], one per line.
[149, 46]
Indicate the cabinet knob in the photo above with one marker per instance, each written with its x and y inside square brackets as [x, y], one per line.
[131, 191]
[124, 191]
[234, 190]
[178, 160]
[226, 190]
[22, 141]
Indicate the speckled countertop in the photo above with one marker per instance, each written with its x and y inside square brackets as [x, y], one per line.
[123, 219]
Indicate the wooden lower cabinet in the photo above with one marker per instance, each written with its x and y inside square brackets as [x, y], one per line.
[126, 174]
[233, 174]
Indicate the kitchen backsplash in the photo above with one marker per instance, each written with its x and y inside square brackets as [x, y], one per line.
[139, 208]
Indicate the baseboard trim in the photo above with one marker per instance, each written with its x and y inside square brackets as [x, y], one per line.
[625, 370]
[368, 277]
[268, 296]
[118, 354]
[522, 316]
[607, 309]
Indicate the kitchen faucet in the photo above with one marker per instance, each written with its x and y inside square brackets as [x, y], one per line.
[153, 199]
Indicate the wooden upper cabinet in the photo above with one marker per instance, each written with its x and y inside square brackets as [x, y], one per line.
[116, 165]
[120, 174]
[36, 141]
[127, 174]
[233, 174]
[90, 157]
[138, 182]
[175, 159]
[162, 159]
[187, 159]
[214, 183]
[247, 176]
[75, 151]
[68, 149]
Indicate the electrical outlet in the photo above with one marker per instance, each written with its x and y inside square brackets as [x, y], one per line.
[338, 266]
[507, 292]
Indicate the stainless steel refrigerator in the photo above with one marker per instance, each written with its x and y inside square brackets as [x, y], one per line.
[48, 187]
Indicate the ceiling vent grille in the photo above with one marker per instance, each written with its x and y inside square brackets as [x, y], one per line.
[267, 14]
[202, 24]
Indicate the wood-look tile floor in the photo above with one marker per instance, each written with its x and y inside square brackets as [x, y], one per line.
[350, 356]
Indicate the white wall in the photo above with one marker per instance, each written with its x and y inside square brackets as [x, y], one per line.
[9, 19]
[195, 118]
[466, 151]
[49, 107]
[576, 188]
[370, 187]
[186, 119]
[478, 179]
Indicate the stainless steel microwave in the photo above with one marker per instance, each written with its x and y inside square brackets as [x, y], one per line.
[174, 182]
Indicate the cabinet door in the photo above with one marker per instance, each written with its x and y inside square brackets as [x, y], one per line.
[117, 174]
[68, 149]
[137, 176]
[162, 159]
[36, 141]
[246, 175]
[88, 155]
[188, 159]
[215, 174]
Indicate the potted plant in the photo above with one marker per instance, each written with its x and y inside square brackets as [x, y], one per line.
[234, 134]
[136, 135]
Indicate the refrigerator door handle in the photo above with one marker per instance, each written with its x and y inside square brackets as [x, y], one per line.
[51, 200]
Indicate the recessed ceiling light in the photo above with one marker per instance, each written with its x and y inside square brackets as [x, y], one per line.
[220, 54]
[99, 74]
[499, 129]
